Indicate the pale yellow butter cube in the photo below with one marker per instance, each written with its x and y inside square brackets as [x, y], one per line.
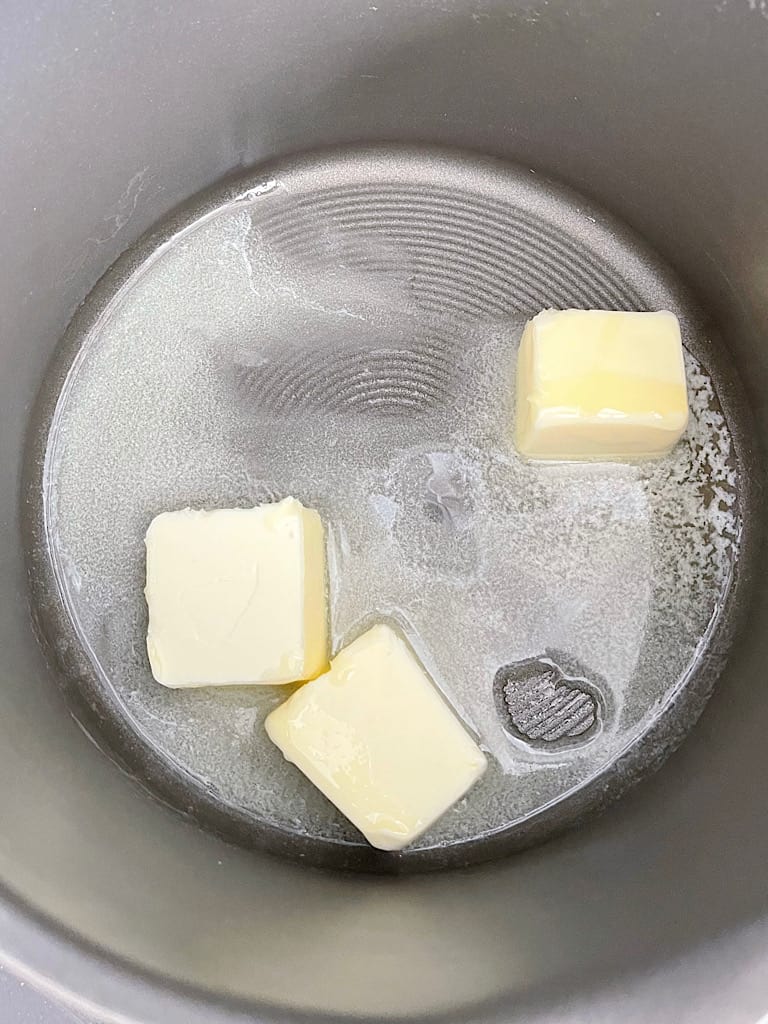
[375, 736]
[593, 384]
[237, 596]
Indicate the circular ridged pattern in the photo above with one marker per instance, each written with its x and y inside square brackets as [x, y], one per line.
[482, 253]
[341, 326]
[447, 253]
[332, 380]
[527, 266]
[543, 705]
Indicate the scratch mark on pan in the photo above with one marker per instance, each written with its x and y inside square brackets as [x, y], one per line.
[113, 223]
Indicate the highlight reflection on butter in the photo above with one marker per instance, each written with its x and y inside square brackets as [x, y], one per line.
[595, 384]
[237, 595]
[376, 737]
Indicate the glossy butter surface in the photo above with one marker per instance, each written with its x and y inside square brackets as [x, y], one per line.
[596, 384]
[376, 737]
[237, 595]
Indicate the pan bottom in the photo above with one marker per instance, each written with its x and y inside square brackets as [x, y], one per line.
[343, 327]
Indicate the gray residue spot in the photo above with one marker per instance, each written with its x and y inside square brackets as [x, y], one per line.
[542, 706]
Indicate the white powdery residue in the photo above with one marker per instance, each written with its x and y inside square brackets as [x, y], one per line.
[111, 225]
[693, 493]
[262, 189]
[433, 521]
[385, 508]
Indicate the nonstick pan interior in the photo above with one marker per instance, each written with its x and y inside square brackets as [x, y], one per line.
[114, 114]
[343, 328]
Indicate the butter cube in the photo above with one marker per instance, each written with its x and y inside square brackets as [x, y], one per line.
[237, 596]
[593, 384]
[375, 736]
